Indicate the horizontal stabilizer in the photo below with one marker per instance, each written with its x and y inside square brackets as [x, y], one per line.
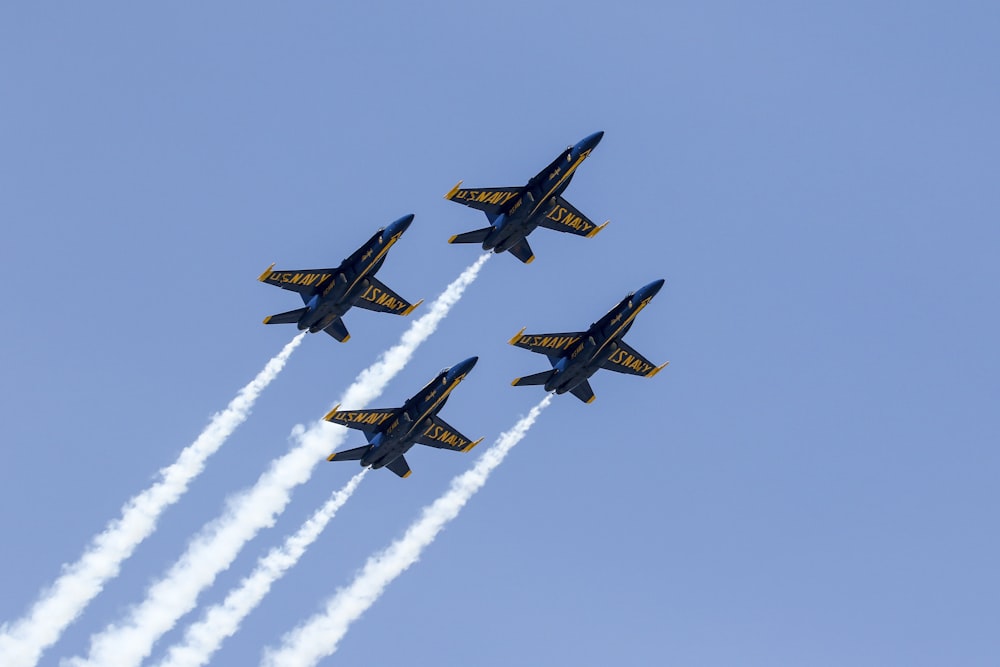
[399, 466]
[522, 251]
[477, 236]
[291, 317]
[537, 378]
[338, 330]
[355, 454]
[583, 392]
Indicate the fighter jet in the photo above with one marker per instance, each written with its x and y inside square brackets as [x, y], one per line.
[391, 432]
[577, 355]
[516, 212]
[329, 293]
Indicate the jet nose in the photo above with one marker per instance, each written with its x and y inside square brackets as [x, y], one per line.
[461, 368]
[589, 142]
[650, 290]
[398, 226]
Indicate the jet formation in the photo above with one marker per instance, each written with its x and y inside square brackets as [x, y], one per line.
[392, 431]
[513, 213]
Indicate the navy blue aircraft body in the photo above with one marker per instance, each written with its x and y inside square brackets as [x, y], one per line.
[577, 355]
[516, 212]
[391, 432]
[329, 293]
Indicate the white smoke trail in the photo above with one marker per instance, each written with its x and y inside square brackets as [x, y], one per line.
[319, 636]
[22, 642]
[203, 639]
[218, 543]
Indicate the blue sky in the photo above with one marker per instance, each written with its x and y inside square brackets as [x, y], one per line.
[811, 481]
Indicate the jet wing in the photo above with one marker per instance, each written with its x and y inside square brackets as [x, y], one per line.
[626, 360]
[303, 282]
[563, 217]
[364, 420]
[443, 436]
[552, 345]
[381, 299]
[487, 200]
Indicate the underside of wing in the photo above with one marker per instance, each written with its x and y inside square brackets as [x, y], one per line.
[444, 436]
[367, 421]
[381, 299]
[488, 200]
[626, 360]
[563, 217]
[303, 282]
[552, 345]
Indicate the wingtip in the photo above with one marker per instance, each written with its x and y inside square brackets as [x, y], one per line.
[264, 276]
[451, 193]
[408, 473]
[657, 369]
[346, 338]
[517, 337]
[473, 444]
[591, 400]
[411, 308]
[593, 232]
[452, 239]
[530, 260]
[267, 320]
[331, 456]
[514, 382]
[331, 413]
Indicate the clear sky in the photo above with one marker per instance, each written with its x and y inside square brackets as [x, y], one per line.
[813, 479]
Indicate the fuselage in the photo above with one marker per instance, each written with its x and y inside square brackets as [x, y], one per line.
[414, 417]
[339, 290]
[524, 212]
[585, 357]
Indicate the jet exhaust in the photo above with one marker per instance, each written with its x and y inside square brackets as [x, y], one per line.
[215, 547]
[319, 636]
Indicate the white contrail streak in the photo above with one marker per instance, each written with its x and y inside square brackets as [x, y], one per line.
[319, 636]
[23, 641]
[203, 639]
[216, 546]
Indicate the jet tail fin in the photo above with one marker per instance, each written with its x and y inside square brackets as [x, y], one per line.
[291, 317]
[537, 378]
[355, 454]
[338, 330]
[477, 236]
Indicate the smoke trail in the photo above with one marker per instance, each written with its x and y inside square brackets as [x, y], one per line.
[318, 637]
[203, 639]
[22, 642]
[216, 546]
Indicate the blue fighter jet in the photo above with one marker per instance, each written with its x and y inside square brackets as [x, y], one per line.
[329, 293]
[516, 212]
[577, 355]
[391, 432]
